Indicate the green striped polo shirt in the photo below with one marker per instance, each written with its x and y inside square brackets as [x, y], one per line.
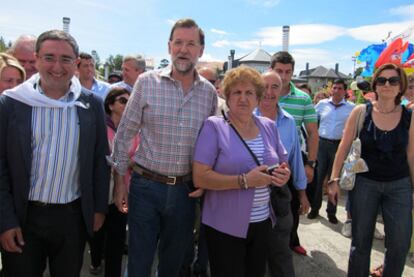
[299, 105]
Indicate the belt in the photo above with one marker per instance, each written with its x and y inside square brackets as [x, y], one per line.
[333, 141]
[74, 203]
[169, 180]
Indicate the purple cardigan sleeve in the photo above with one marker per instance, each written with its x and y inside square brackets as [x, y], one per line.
[206, 148]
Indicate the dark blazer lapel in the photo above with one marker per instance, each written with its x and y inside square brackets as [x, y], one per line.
[24, 125]
[85, 115]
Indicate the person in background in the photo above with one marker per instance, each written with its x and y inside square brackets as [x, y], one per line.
[319, 96]
[23, 49]
[387, 146]
[280, 255]
[11, 72]
[109, 241]
[132, 67]
[299, 105]
[236, 210]
[114, 77]
[304, 87]
[332, 115]
[408, 98]
[87, 78]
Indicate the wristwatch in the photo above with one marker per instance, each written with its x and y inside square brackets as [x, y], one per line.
[311, 163]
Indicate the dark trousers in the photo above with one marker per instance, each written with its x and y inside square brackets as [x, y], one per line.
[294, 205]
[241, 257]
[109, 241]
[326, 157]
[280, 259]
[56, 234]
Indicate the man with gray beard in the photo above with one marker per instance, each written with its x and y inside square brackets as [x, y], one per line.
[167, 107]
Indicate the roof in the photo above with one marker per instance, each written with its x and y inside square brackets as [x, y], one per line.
[322, 72]
[258, 55]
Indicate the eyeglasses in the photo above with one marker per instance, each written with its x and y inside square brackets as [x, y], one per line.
[122, 100]
[65, 60]
[393, 81]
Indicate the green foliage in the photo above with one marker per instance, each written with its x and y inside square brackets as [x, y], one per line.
[114, 63]
[3, 46]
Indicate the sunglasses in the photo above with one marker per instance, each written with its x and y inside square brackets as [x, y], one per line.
[393, 81]
[122, 100]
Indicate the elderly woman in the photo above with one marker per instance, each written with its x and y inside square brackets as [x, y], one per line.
[236, 207]
[11, 72]
[112, 236]
[387, 139]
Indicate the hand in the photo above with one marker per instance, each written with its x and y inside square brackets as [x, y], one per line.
[12, 240]
[258, 177]
[333, 192]
[197, 193]
[98, 221]
[309, 171]
[281, 175]
[304, 202]
[120, 194]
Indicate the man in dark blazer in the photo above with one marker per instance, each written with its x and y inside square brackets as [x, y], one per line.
[53, 174]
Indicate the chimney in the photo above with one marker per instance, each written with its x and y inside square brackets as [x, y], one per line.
[231, 59]
[307, 69]
[66, 23]
[285, 38]
[337, 69]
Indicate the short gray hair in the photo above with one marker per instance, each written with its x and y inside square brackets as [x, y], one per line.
[23, 41]
[138, 59]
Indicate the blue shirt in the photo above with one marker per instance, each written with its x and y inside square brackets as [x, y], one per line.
[121, 84]
[55, 142]
[332, 117]
[286, 126]
[100, 88]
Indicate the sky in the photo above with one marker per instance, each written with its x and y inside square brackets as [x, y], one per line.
[322, 32]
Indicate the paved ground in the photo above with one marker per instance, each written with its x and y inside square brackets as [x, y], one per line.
[327, 249]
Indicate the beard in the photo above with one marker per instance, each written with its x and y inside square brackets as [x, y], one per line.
[184, 67]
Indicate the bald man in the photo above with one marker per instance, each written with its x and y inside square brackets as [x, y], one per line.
[23, 49]
[211, 76]
[280, 256]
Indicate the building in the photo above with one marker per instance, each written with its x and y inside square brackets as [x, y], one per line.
[259, 59]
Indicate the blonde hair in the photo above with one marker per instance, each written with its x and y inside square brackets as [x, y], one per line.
[7, 60]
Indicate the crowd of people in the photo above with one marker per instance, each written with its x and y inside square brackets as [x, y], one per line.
[210, 174]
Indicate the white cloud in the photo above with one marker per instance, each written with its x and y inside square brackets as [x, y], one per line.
[95, 4]
[221, 43]
[170, 22]
[378, 32]
[407, 11]
[264, 3]
[305, 34]
[209, 58]
[217, 31]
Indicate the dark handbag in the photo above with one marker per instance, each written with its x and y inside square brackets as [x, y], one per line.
[280, 197]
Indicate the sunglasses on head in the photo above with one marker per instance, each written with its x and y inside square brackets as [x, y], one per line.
[393, 81]
[122, 100]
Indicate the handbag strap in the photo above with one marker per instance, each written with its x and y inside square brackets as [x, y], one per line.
[244, 143]
[360, 121]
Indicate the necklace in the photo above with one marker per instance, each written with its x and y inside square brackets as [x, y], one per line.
[386, 112]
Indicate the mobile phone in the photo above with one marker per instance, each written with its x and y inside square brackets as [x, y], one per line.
[271, 168]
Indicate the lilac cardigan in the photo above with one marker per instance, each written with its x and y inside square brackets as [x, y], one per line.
[218, 146]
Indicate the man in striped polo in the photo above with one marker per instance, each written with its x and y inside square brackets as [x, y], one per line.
[299, 105]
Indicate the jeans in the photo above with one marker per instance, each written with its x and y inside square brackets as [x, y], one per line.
[159, 215]
[396, 200]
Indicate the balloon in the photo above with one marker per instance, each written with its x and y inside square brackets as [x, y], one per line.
[369, 55]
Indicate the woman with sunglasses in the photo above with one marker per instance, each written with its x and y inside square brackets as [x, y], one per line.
[110, 239]
[387, 139]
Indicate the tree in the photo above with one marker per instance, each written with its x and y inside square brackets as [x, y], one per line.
[114, 63]
[96, 59]
[358, 71]
[3, 46]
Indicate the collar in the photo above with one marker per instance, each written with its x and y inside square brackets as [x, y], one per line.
[167, 73]
[343, 102]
